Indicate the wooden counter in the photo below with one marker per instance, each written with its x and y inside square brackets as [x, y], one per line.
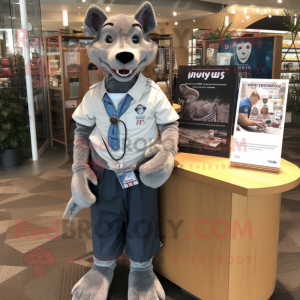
[220, 226]
[177, 107]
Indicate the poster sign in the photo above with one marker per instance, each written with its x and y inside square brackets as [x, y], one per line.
[206, 95]
[253, 57]
[259, 123]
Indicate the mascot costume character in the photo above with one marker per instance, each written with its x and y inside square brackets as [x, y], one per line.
[118, 162]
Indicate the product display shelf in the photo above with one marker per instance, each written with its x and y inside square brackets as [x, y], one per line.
[167, 88]
[68, 81]
[290, 69]
[195, 48]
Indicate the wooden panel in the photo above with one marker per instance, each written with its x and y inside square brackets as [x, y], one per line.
[188, 260]
[277, 55]
[216, 171]
[84, 62]
[254, 278]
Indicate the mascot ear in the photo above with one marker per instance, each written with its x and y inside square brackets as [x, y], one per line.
[94, 20]
[146, 17]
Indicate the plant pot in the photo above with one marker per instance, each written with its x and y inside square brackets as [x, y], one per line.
[295, 120]
[11, 158]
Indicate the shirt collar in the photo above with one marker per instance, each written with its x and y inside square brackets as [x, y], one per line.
[135, 92]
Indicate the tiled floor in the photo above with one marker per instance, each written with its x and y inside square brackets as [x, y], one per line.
[52, 158]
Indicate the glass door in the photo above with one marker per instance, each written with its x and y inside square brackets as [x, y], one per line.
[14, 40]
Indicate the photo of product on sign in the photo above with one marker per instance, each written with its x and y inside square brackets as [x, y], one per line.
[260, 107]
[259, 122]
[206, 96]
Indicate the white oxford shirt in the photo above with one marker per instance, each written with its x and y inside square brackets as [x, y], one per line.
[148, 107]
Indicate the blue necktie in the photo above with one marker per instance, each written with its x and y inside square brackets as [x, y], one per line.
[113, 131]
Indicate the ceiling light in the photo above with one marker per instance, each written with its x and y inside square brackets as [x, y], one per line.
[42, 6]
[83, 1]
[233, 11]
[247, 17]
[194, 20]
[174, 13]
[270, 16]
[176, 23]
[159, 14]
[82, 27]
[79, 13]
[107, 8]
[65, 18]
[226, 23]
[79, 7]
[242, 20]
[279, 1]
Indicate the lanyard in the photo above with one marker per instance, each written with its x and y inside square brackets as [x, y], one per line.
[117, 159]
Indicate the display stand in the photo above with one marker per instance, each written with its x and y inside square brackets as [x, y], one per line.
[219, 227]
[253, 167]
[67, 82]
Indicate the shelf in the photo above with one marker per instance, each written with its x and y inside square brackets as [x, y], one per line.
[59, 139]
[53, 53]
[296, 72]
[59, 88]
[292, 61]
[38, 111]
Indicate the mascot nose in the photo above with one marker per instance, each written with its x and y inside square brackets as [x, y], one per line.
[125, 57]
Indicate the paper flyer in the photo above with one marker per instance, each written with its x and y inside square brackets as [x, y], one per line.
[259, 122]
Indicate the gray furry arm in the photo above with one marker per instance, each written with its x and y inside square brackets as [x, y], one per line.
[169, 137]
[81, 149]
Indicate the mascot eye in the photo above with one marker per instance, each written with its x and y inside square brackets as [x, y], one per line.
[109, 39]
[135, 39]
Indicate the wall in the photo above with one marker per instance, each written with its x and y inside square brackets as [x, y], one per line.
[182, 32]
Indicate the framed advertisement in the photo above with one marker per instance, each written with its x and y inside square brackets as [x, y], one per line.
[259, 123]
[206, 95]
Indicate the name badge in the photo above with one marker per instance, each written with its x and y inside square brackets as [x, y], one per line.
[126, 178]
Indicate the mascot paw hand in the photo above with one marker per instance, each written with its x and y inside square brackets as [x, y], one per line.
[156, 171]
[81, 195]
[73, 208]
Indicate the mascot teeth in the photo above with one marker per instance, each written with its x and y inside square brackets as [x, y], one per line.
[123, 72]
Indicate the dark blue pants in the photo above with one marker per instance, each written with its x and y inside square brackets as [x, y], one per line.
[124, 217]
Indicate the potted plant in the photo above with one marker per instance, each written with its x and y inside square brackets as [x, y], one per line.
[223, 32]
[14, 131]
[293, 26]
[296, 113]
